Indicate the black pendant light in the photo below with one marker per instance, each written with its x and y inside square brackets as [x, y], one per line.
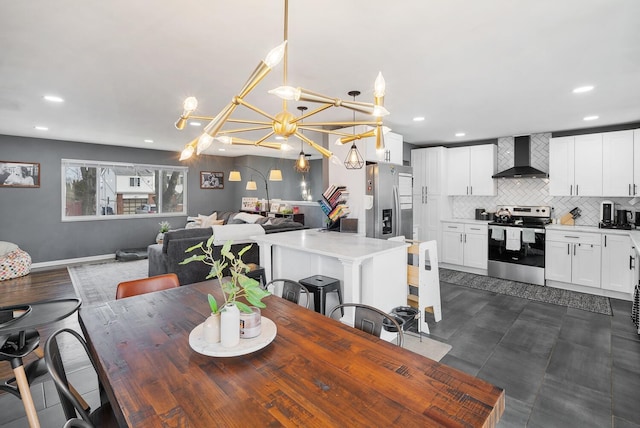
[354, 159]
[302, 163]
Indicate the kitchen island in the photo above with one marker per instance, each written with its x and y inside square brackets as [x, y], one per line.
[372, 271]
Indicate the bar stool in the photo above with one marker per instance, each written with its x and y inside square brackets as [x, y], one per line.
[320, 285]
[257, 272]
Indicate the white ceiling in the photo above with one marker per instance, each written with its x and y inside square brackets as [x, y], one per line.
[488, 68]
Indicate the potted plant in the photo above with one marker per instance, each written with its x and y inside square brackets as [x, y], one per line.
[165, 226]
[237, 286]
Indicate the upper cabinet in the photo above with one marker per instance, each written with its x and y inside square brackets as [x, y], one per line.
[469, 170]
[617, 164]
[575, 165]
[602, 164]
[392, 152]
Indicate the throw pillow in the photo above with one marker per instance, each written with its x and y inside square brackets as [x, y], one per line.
[207, 221]
[7, 247]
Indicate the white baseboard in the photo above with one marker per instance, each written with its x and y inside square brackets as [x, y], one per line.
[69, 262]
[461, 268]
[590, 290]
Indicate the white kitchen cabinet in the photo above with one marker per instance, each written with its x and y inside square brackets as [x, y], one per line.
[452, 243]
[575, 165]
[636, 161]
[573, 257]
[469, 170]
[392, 152]
[430, 204]
[618, 164]
[618, 263]
[465, 244]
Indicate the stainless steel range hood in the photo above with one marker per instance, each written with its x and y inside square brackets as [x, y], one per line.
[522, 161]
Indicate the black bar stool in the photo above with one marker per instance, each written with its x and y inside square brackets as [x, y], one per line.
[320, 285]
[257, 272]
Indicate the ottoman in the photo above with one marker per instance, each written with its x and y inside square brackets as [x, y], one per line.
[15, 264]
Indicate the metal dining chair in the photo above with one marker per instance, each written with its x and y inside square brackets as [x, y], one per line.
[290, 290]
[372, 320]
[147, 285]
[100, 417]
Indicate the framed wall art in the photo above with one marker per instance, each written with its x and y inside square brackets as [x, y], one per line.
[211, 180]
[19, 174]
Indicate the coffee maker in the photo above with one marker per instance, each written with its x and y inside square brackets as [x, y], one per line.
[607, 214]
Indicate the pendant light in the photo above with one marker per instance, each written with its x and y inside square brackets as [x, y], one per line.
[302, 164]
[354, 159]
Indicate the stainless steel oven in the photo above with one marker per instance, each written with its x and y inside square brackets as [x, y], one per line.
[516, 244]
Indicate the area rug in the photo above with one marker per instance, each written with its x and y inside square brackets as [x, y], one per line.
[97, 283]
[428, 347]
[556, 296]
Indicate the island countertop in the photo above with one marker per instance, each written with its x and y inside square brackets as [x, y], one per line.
[346, 246]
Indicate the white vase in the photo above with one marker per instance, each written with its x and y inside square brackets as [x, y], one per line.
[230, 326]
[211, 328]
[159, 238]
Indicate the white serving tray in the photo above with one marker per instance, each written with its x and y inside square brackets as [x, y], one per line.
[246, 346]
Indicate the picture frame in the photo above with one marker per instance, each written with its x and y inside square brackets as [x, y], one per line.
[19, 174]
[211, 180]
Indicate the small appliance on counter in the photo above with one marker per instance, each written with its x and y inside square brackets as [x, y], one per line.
[607, 214]
[482, 214]
[637, 219]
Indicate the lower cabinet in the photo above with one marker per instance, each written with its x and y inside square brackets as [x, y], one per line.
[465, 244]
[606, 261]
[573, 258]
[618, 263]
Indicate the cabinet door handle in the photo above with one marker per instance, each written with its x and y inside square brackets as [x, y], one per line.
[569, 249]
[461, 237]
[570, 189]
[631, 263]
[629, 189]
[467, 190]
[471, 188]
[465, 238]
[574, 249]
[605, 240]
[577, 192]
[635, 189]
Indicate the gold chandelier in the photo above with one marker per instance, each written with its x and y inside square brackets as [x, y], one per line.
[283, 124]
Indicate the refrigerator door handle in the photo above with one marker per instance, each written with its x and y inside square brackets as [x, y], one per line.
[397, 217]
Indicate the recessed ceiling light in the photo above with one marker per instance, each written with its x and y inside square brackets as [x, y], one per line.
[582, 89]
[460, 134]
[195, 123]
[148, 141]
[222, 150]
[41, 128]
[591, 118]
[418, 118]
[53, 98]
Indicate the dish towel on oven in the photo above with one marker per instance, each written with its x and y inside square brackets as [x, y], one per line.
[528, 236]
[513, 239]
[497, 233]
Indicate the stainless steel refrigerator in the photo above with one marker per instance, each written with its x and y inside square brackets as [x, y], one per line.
[389, 191]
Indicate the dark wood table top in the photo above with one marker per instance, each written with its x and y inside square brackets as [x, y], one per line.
[316, 372]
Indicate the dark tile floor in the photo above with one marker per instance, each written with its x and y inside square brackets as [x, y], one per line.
[560, 367]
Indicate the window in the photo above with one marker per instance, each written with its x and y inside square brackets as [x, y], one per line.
[98, 190]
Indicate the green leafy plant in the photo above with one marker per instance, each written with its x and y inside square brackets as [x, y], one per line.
[165, 226]
[238, 285]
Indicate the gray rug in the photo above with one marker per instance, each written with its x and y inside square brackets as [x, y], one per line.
[97, 283]
[556, 296]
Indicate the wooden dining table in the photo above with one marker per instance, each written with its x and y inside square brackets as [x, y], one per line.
[316, 372]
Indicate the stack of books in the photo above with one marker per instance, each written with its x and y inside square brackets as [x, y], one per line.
[333, 202]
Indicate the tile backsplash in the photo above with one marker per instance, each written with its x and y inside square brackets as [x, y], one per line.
[532, 191]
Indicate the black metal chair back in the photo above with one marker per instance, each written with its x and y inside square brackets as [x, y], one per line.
[372, 320]
[72, 408]
[291, 290]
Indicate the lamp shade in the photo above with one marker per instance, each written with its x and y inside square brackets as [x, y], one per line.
[251, 185]
[275, 175]
[235, 176]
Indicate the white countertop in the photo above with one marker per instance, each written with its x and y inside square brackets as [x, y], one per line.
[346, 246]
[465, 221]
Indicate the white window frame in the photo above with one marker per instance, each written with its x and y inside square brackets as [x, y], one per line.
[162, 169]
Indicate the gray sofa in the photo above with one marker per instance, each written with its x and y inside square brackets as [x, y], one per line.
[166, 257]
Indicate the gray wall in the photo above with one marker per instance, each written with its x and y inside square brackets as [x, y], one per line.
[31, 218]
